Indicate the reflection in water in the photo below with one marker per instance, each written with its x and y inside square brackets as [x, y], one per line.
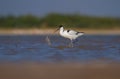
[35, 48]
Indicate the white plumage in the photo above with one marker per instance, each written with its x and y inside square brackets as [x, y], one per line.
[70, 34]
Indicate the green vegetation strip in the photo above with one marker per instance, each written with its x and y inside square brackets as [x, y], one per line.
[51, 20]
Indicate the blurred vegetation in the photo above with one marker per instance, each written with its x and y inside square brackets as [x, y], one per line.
[51, 20]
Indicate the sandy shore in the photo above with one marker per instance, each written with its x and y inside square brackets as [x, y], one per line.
[59, 71]
[51, 31]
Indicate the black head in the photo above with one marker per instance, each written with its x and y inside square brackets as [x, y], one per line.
[60, 26]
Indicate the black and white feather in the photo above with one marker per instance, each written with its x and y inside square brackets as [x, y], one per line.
[70, 34]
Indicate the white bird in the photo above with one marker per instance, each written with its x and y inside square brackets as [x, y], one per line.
[70, 34]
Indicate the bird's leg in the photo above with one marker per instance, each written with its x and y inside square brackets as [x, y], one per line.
[71, 43]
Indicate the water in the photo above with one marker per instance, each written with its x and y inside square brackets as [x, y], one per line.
[35, 48]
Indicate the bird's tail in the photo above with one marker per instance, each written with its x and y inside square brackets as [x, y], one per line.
[81, 33]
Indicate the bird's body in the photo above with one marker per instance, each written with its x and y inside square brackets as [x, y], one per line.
[70, 34]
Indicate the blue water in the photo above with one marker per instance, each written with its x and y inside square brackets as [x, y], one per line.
[35, 48]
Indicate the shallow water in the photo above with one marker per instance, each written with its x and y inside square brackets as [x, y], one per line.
[35, 48]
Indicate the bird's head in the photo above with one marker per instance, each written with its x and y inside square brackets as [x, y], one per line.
[58, 28]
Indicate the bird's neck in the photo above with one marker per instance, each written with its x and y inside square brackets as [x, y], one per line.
[61, 30]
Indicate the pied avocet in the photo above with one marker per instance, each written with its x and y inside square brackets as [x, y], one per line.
[70, 34]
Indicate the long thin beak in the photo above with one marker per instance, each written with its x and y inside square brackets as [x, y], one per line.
[56, 30]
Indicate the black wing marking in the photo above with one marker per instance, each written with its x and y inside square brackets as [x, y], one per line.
[77, 33]
[68, 30]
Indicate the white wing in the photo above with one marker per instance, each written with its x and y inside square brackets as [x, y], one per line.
[72, 32]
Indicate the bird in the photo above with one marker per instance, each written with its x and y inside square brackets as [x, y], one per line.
[70, 34]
